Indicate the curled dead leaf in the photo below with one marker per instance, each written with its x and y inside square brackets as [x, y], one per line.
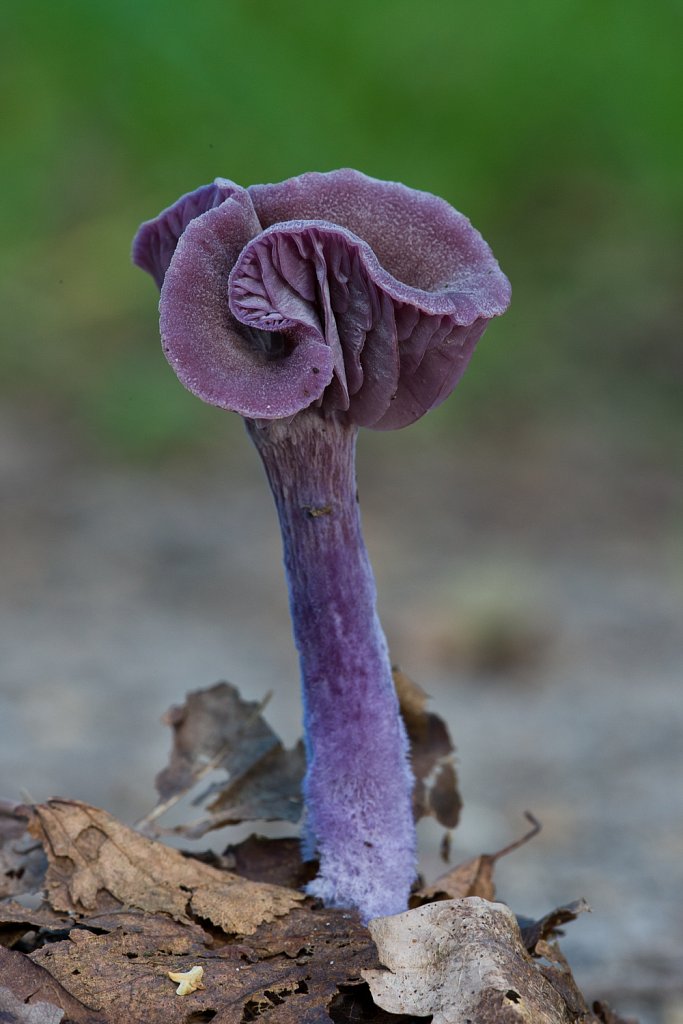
[605, 1015]
[473, 877]
[549, 924]
[432, 754]
[96, 865]
[268, 859]
[215, 726]
[16, 920]
[30, 995]
[292, 968]
[269, 791]
[15, 1011]
[217, 730]
[461, 961]
[22, 861]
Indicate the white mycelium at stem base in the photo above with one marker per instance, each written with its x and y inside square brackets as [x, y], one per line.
[358, 787]
[312, 307]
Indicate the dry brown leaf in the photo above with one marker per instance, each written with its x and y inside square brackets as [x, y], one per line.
[26, 986]
[354, 1005]
[270, 790]
[555, 968]
[22, 861]
[264, 859]
[432, 752]
[215, 729]
[96, 864]
[558, 972]
[549, 925]
[473, 877]
[291, 969]
[213, 723]
[16, 920]
[124, 972]
[16, 1011]
[607, 1016]
[461, 961]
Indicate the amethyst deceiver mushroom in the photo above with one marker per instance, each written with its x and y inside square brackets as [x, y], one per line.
[313, 307]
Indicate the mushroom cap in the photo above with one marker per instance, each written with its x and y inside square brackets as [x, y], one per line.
[337, 290]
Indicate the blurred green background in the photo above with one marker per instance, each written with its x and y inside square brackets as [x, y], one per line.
[553, 124]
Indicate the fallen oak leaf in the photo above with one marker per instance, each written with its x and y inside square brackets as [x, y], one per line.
[214, 726]
[461, 961]
[217, 730]
[96, 864]
[473, 877]
[548, 925]
[30, 986]
[22, 861]
[292, 967]
[605, 1015]
[16, 920]
[432, 755]
[268, 791]
[123, 972]
[16, 1011]
[354, 1005]
[553, 965]
[268, 859]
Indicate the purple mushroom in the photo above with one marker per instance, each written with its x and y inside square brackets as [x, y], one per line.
[312, 307]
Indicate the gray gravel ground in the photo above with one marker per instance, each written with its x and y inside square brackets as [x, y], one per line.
[534, 590]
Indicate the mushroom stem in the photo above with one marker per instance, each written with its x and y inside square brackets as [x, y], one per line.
[358, 785]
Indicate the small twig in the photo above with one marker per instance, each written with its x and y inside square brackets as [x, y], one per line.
[536, 827]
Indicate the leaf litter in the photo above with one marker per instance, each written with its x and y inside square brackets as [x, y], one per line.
[22, 860]
[123, 912]
[436, 792]
[464, 961]
[217, 730]
[473, 877]
[97, 864]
